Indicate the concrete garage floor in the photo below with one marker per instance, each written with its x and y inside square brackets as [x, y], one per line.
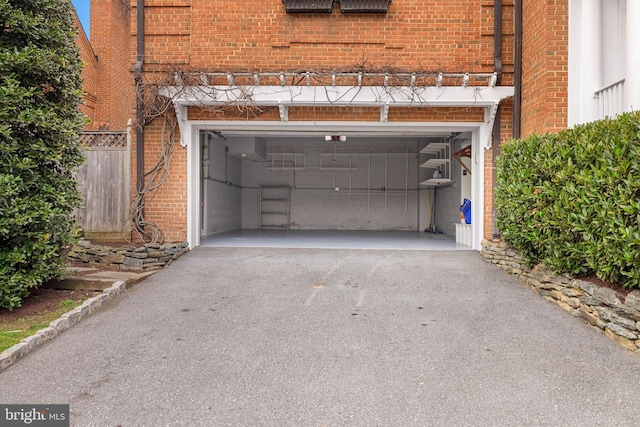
[334, 239]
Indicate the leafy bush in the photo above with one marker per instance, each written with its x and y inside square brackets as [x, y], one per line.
[572, 199]
[40, 88]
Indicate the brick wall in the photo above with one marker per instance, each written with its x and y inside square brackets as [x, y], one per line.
[545, 66]
[111, 41]
[258, 35]
[89, 74]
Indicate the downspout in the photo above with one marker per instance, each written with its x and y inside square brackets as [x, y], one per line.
[137, 75]
[517, 71]
[497, 64]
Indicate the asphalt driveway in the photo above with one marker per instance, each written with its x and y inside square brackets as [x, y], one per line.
[310, 337]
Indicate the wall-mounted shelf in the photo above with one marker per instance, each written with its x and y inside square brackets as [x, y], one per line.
[435, 182]
[275, 202]
[439, 166]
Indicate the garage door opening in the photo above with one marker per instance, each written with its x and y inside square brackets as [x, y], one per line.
[335, 190]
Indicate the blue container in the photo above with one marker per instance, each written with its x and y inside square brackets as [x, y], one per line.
[466, 210]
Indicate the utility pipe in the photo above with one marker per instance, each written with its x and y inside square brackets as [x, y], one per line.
[137, 75]
[497, 64]
[517, 72]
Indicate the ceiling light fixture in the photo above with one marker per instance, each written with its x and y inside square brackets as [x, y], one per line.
[342, 138]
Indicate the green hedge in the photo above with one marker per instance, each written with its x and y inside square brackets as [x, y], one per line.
[40, 89]
[572, 200]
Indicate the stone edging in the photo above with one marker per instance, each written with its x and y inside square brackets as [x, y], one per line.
[11, 355]
[151, 256]
[616, 314]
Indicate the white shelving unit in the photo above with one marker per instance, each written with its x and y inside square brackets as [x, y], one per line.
[275, 202]
[441, 162]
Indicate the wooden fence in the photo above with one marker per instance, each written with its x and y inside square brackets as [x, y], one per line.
[104, 182]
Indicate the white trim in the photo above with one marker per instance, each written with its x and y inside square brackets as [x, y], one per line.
[632, 100]
[477, 189]
[338, 96]
[478, 130]
[369, 96]
[383, 97]
[193, 185]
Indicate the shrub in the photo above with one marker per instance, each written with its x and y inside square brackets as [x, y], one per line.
[572, 199]
[40, 89]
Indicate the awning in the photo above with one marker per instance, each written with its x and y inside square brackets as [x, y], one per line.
[308, 6]
[364, 6]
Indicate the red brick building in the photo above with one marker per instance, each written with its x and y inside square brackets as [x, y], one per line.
[359, 114]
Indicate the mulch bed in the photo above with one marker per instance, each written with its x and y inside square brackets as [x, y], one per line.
[43, 300]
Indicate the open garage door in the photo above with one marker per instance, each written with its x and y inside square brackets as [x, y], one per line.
[376, 179]
[339, 182]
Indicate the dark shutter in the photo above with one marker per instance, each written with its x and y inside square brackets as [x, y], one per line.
[308, 6]
[364, 6]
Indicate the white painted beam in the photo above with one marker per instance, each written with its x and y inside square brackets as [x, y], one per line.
[339, 96]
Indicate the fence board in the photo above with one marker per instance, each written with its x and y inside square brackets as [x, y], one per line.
[104, 183]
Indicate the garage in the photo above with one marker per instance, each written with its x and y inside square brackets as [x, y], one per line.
[352, 155]
[387, 186]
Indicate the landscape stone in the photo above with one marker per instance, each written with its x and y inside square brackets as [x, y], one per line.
[60, 325]
[587, 315]
[47, 334]
[629, 312]
[96, 302]
[607, 296]
[588, 287]
[133, 262]
[623, 321]
[5, 360]
[572, 292]
[605, 313]
[601, 323]
[32, 342]
[587, 300]
[73, 316]
[633, 299]
[623, 332]
[17, 351]
[139, 255]
[626, 343]
[113, 259]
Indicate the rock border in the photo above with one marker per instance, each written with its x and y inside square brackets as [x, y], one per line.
[11, 355]
[615, 314]
[151, 256]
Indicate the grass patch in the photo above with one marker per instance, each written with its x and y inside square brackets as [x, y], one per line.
[12, 332]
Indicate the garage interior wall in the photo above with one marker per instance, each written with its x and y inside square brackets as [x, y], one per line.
[221, 207]
[449, 198]
[358, 184]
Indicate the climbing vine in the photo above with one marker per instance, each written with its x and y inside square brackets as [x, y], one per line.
[237, 90]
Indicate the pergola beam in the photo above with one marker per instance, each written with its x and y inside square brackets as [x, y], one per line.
[382, 97]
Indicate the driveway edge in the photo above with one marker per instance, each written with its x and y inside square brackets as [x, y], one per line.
[11, 355]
